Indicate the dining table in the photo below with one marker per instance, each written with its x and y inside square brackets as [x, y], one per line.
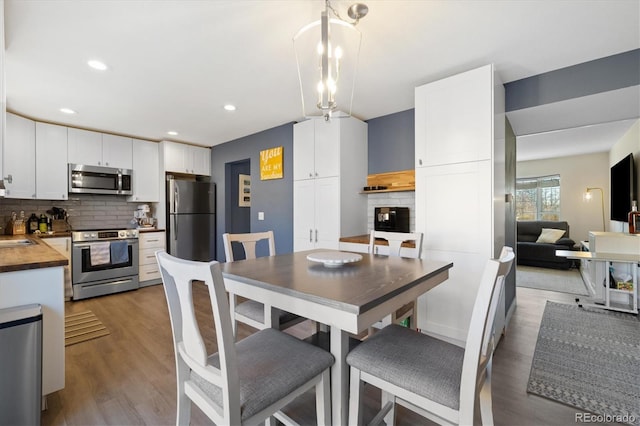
[347, 295]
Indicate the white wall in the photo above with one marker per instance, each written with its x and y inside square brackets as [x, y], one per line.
[576, 174]
[630, 143]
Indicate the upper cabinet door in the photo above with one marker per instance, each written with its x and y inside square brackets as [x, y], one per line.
[146, 167]
[303, 150]
[173, 156]
[327, 148]
[117, 151]
[201, 160]
[20, 157]
[51, 162]
[454, 119]
[84, 147]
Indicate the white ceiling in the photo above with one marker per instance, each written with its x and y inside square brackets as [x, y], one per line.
[174, 64]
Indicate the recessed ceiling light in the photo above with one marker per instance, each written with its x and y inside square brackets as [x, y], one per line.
[230, 107]
[172, 133]
[67, 110]
[97, 65]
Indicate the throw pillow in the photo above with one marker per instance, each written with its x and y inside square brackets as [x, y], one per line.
[550, 235]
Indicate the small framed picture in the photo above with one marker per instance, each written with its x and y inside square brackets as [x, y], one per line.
[244, 191]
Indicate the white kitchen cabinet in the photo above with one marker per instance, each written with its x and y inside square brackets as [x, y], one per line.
[99, 149]
[63, 246]
[316, 213]
[146, 163]
[84, 147]
[20, 157]
[328, 205]
[51, 162]
[117, 151]
[316, 149]
[460, 203]
[189, 159]
[149, 243]
[45, 287]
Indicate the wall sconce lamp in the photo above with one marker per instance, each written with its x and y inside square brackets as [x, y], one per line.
[588, 196]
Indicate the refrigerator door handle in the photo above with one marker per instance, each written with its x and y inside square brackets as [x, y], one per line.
[176, 199]
[175, 227]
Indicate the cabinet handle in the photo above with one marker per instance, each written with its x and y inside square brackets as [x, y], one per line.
[310, 175]
[316, 235]
[152, 241]
[150, 257]
[310, 235]
[316, 174]
[9, 178]
[420, 161]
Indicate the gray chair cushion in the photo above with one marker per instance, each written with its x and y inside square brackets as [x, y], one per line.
[270, 365]
[421, 364]
[255, 311]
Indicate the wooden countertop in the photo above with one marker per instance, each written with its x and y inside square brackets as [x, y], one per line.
[34, 256]
[364, 239]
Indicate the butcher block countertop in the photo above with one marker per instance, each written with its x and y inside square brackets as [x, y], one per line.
[364, 239]
[32, 256]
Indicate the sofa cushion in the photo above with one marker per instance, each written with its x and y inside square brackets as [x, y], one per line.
[550, 235]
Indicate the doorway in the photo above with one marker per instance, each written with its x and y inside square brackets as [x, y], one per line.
[238, 208]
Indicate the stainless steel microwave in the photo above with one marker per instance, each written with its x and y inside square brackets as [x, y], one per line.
[99, 180]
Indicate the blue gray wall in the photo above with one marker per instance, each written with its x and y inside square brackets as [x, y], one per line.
[392, 142]
[273, 197]
[597, 76]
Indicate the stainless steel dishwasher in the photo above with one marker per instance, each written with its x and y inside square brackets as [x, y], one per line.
[21, 365]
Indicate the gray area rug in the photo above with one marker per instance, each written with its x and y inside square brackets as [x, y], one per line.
[589, 359]
[569, 281]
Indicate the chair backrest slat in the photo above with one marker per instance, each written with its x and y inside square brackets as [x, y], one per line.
[248, 241]
[477, 346]
[395, 240]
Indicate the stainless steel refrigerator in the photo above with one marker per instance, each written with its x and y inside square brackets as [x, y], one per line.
[191, 219]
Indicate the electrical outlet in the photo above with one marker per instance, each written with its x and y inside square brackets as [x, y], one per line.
[260, 215]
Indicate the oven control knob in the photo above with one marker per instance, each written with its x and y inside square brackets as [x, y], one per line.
[121, 234]
[93, 235]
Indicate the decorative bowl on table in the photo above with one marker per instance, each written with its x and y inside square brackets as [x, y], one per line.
[334, 259]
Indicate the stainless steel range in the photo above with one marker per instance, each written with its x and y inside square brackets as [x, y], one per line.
[104, 262]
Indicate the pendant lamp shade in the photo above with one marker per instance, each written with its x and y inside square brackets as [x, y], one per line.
[327, 53]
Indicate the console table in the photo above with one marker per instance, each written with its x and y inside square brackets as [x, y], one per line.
[609, 258]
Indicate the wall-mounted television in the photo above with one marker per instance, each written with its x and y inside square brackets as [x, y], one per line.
[623, 188]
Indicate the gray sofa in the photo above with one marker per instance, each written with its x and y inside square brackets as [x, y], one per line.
[531, 253]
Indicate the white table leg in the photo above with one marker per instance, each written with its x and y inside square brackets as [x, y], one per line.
[339, 377]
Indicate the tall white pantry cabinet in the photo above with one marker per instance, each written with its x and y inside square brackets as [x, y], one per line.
[330, 164]
[460, 191]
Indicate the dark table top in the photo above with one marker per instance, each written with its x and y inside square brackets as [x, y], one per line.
[354, 287]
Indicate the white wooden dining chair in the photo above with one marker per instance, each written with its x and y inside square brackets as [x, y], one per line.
[243, 383]
[436, 379]
[250, 312]
[395, 240]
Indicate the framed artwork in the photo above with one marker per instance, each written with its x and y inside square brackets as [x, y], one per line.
[271, 163]
[244, 191]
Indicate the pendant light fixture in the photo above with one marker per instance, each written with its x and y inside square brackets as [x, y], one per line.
[327, 57]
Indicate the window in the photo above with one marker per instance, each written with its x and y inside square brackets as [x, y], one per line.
[538, 198]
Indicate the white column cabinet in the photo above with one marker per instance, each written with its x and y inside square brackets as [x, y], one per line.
[51, 162]
[329, 170]
[316, 216]
[459, 191]
[146, 163]
[20, 157]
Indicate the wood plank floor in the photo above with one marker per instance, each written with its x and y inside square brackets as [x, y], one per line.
[128, 377]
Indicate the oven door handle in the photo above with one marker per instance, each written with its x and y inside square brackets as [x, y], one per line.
[131, 243]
